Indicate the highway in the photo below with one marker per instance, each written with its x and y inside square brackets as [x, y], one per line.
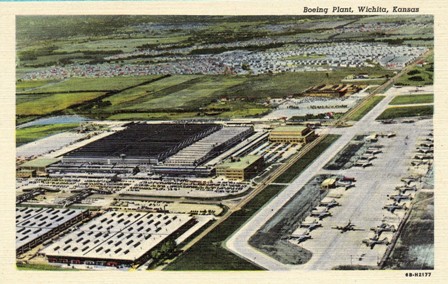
[328, 244]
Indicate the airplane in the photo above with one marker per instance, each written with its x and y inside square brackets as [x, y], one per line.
[346, 228]
[367, 157]
[420, 162]
[388, 121]
[425, 150]
[311, 226]
[373, 151]
[371, 242]
[404, 188]
[350, 179]
[361, 164]
[408, 180]
[394, 206]
[301, 238]
[399, 197]
[384, 227]
[329, 204]
[321, 214]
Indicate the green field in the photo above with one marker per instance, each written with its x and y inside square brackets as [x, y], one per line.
[409, 111]
[368, 106]
[44, 267]
[146, 92]
[27, 85]
[192, 95]
[93, 84]
[419, 76]
[33, 133]
[306, 160]
[54, 103]
[413, 99]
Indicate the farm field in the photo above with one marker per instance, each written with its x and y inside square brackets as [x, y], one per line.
[90, 84]
[147, 91]
[54, 103]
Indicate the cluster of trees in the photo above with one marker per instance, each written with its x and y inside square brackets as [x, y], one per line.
[166, 249]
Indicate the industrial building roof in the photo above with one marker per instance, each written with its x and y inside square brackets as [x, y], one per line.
[118, 235]
[289, 128]
[39, 163]
[32, 223]
[242, 163]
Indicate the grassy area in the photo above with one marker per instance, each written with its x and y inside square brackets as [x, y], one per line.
[25, 119]
[147, 91]
[33, 133]
[419, 75]
[194, 94]
[94, 84]
[410, 111]
[209, 254]
[413, 99]
[368, 106]
[54, 103]
[306, 160]
[27, 85]
[43, 267]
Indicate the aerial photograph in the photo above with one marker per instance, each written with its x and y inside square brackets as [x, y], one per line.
[223, 143]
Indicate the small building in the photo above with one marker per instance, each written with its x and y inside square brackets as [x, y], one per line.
[39, 165]
[24, 173]
[242, 168]
[292, 134]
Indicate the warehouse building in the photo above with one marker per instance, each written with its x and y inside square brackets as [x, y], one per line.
[141, 143]
[35, 167]
[35, 225]
[332, 91]
[210, 146]
[292, 134]
[118, 238]
[241, 168]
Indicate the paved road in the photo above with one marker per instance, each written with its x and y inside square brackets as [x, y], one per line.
[238, 243]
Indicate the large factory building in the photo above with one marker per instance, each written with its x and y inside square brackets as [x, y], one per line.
[291, 134]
